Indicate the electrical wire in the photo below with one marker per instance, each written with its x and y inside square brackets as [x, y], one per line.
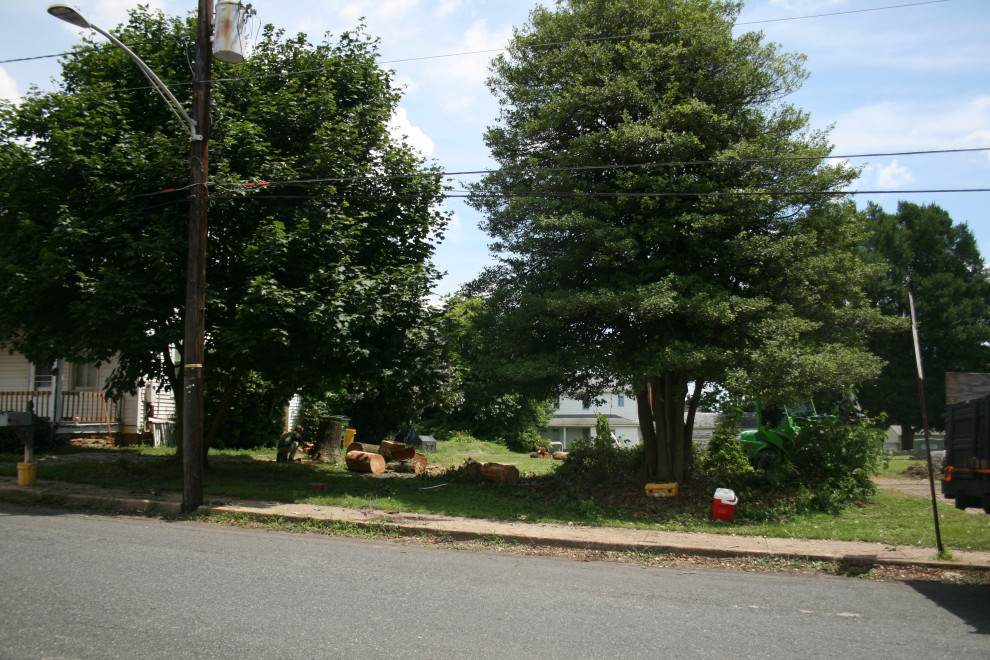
[497, 50]
[572, 168]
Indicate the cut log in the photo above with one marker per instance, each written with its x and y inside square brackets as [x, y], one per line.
[403, 454]
[500, 473]
[409, 466]
[355, 446]
[363, 461]
[387, 447]
[420, 458]
[559, 455]
[470, 469]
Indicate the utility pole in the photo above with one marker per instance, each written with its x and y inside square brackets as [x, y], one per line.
[195, 314]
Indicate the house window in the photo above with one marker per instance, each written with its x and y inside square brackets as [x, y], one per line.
[43, 376]
[84, 377]
[621, 401]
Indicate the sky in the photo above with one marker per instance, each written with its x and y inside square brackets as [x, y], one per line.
[888, 77]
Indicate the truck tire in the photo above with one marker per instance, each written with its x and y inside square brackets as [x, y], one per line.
[986, 503]
[962, 499]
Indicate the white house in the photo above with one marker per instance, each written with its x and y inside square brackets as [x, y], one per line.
[572, 420]
[71, 396]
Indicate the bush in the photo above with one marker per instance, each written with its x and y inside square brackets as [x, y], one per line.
[526, 442]
[597, 459]
[10, 443]
[834, 462]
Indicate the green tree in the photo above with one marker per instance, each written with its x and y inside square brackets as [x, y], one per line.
[939, 262]
[308, 281]
[663, 218]
[488, 409]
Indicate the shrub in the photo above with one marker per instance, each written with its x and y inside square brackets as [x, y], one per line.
[597, 459]
[526, 442]
[10, 443]
[834, 462]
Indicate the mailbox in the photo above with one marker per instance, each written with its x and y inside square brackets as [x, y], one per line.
[15, 419]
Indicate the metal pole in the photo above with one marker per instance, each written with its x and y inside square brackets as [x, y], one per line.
[193, 349]
[924, 421]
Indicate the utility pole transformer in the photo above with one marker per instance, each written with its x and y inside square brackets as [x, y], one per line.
[195, 314]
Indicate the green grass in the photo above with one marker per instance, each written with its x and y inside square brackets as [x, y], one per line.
[898, 464]
[892, 519]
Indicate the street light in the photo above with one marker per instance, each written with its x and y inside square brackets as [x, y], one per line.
[193, 347]
[72, 15]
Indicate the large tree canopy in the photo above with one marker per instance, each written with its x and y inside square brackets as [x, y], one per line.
[940, 264]
[311, 278]
[664, 218]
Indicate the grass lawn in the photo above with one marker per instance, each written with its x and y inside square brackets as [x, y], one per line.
[891, 519]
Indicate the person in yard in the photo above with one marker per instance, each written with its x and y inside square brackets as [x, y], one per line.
[289, 442]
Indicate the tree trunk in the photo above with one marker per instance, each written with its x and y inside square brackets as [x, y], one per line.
[661, 419]
[363, 461]
[328, 437]
[221, 412]
[907, 437]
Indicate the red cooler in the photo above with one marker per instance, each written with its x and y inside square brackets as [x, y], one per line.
[724, 504]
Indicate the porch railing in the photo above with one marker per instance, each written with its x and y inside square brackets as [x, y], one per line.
[87, 406]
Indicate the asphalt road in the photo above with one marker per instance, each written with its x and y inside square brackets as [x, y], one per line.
[74, 585]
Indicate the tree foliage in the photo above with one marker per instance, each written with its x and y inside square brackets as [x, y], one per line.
[663, 217]
[939, 262]
[309, 281]
[488, 409]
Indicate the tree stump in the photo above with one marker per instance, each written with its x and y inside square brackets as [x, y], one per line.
[328, 437]
[363, 461]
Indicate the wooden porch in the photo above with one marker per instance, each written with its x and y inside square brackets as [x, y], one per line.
[83, 407]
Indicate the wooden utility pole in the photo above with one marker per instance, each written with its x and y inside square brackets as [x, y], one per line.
[195, 320]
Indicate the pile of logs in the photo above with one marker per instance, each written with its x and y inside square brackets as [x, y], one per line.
[391, 456]
[543, 452]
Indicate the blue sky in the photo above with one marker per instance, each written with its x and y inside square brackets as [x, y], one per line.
[912, 77]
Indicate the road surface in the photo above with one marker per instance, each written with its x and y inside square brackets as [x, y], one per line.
[75, 585]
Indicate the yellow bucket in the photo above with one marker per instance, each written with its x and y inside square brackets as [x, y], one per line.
[27, 474]
[661, 490]
[348, 438]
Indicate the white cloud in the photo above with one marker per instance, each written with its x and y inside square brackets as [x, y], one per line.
[893, 175]
[402, 129]
[912, 125]
[446, 8]
[8, 86]
[478, 39]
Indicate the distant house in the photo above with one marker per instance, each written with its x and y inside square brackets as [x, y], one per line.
[572, 419]
[71, 396]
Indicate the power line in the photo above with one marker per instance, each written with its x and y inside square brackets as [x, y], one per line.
[497, 50]
[605, 195]
[572, 168]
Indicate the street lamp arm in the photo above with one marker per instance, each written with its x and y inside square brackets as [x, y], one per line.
[75, 17]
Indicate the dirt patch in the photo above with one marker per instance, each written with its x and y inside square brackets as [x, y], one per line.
[920, 471]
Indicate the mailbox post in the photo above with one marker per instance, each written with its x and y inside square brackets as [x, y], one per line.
[23, 426]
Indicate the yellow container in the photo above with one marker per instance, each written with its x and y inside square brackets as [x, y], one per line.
[27, 474]
[661, 490]
[348, 438]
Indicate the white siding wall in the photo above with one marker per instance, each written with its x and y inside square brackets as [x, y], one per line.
[15, 372]
[615, 404]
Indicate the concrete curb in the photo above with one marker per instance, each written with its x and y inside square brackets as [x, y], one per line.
[525, 533]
